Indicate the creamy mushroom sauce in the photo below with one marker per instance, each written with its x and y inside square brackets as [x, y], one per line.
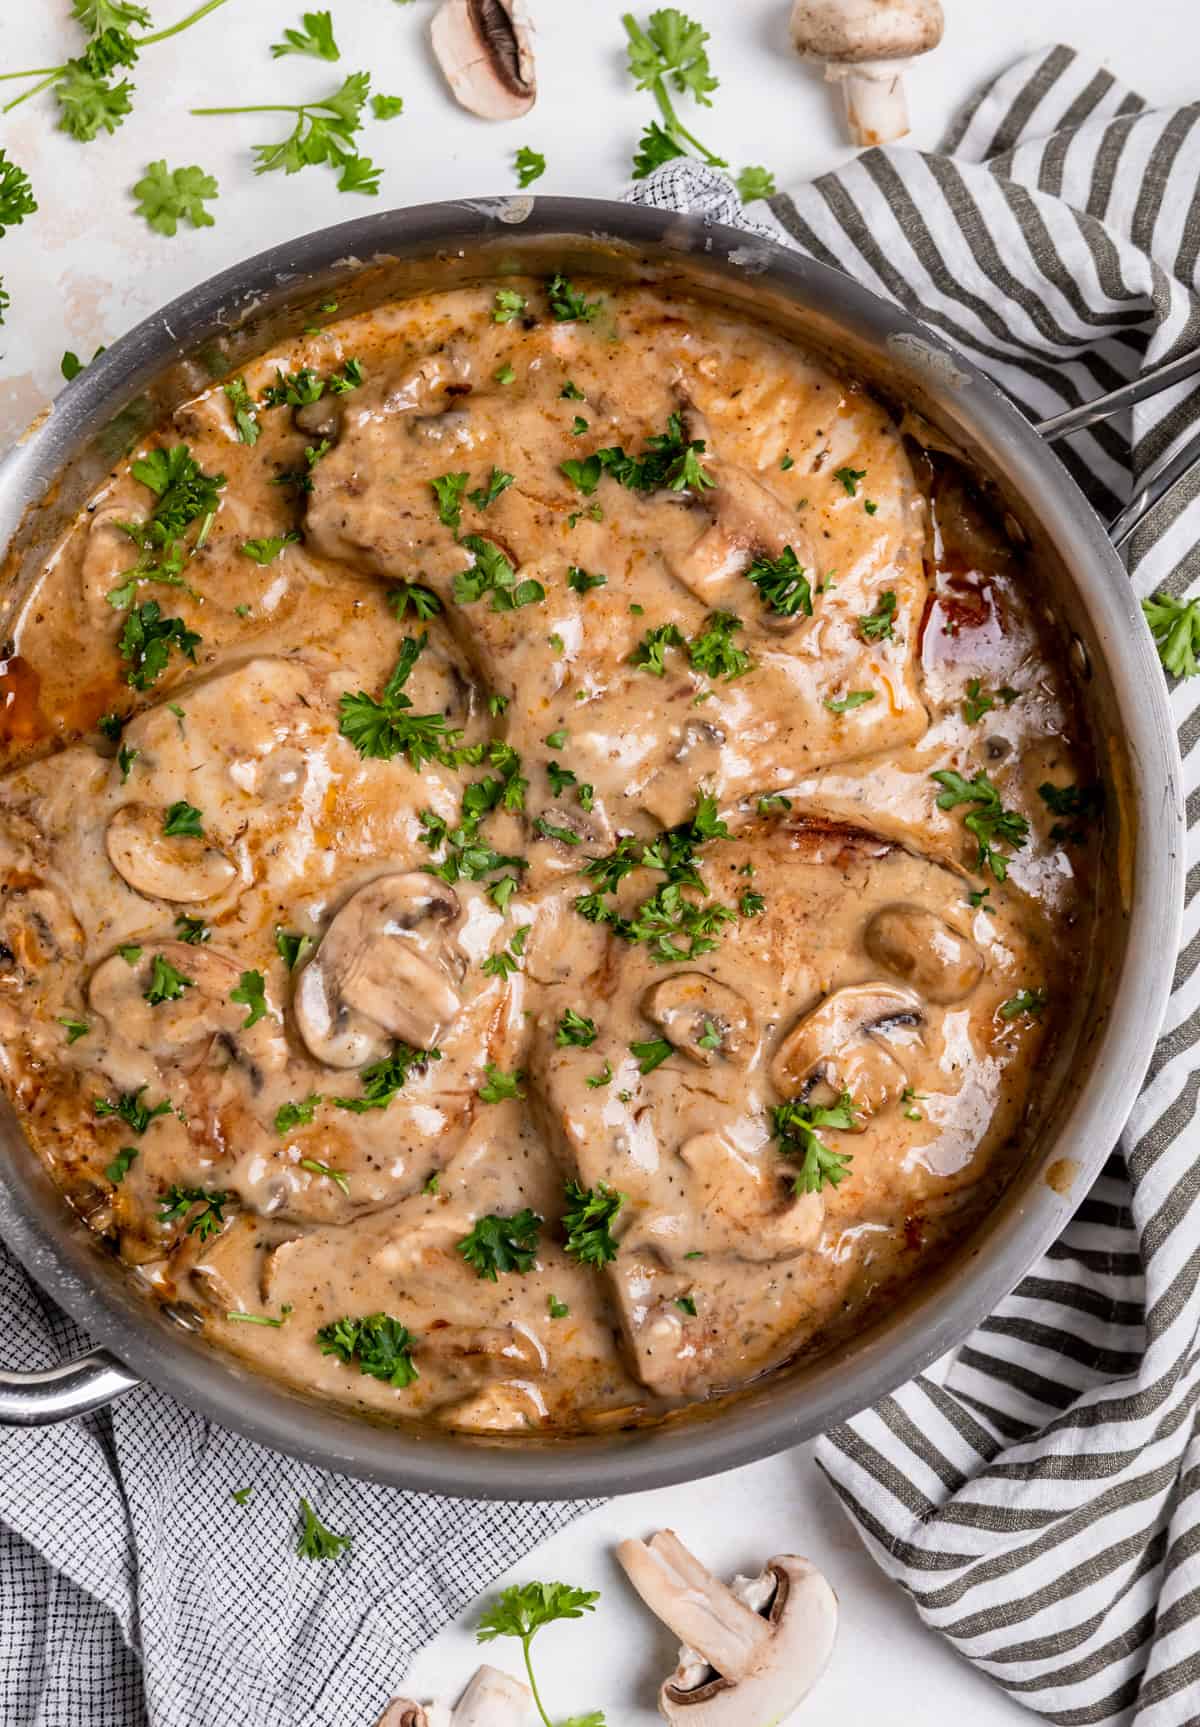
[869, 965]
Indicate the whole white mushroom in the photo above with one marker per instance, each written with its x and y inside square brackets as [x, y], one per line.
[867, 46]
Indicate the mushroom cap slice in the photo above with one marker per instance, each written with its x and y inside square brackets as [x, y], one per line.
[175, 1030]
[690, 1006]
[747, 518]
[920, 947]
[843, 1042]
[382, 972]
[174, 867]
[848, 32]
[485, 49]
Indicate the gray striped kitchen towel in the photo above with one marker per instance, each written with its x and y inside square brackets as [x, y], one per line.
[1042, 1507]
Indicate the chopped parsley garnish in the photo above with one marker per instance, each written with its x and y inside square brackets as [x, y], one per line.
[192, 930]
[315, 38]
[146, 641]
[1030, 1003]
[795, 1125]
[670, 461]
[1078, 805]
[988, 821]
[686, 1304]
[651, 1054]
[179, 1202]
[581, 581]
[291, 948]
[298, 1114]
[575, 1030]
[773, 802]
[166, 984]
[125, 760]
[131, 1110]
[552, 831]
[266, 551]
[568, 305]
[604, 1077]
[507, 961]
[498, 1244]
[782, 583]
[383, 1079]
[669, 924]
[386, 728]
[557, 740]
[587, 1222]
[713, 653]
[491, 573]
[578, 426]
[242, 404]
[483, 496]
[910, 1099]
[111, 726]
[251, 993]
[1175, 626]
[184, 820]
[74, 1028]
[379, 1344]
[505, 375]
[448, 489]
[851, 700]
[241, 1495]
[130, 952]
[848, 478]
[301, 479]
[122, 1163]
[424, 602]
[877, 626]
[337, 1176]
[752, 904]
[571, 392]
[557, 1309]
[976, 702]
[316, 1540]
[507, 305]
[498, 1086]
[650, 653]
[530, 166]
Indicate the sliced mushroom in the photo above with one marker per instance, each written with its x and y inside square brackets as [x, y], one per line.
[756, 1666]
[382, 972]
[844, 1044]
[489, 1350]
[179, 1030]
[492, 1699]
[452, 427]
[37, 929]
[511, 1406]
[174, 867]
[747, 519]
[319, 419]
[705, 1019]
[485, 49]
[916, 945]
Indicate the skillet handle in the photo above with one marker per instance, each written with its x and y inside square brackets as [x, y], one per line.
[61, 1393]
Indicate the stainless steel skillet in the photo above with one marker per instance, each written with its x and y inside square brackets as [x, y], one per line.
[212, 329]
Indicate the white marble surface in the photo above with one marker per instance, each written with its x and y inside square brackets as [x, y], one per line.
[87, 268]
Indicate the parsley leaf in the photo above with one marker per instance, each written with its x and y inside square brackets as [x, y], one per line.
[1030, 1003]
[655, 147]
[586, 1222]
[324, 132]
[782, 583]
[507, 305]
[183, 819]
[251, 993]
[380, 1345]
[448, 490]
[795, 1126]
[338, 1176]
[849, 478]
[315, 38]
[297, 1114]
[851, 700]
[754, 183]
[178, 1202]
[168, 196]
[1175, 626]
[530, 166]
[713, 652]
[876, 626]
[166, 983]
[242, 403]
[383, 1079]
[498, 1244]
[1078, 804]
[386, 728]
[491, 573]
[74, 1028]
[568, 305]
[650, 653]
[575, 1030]
[670, 53]
[499, 482]
[291, 948]
[387, 107]
[122, 1163]
[131, 1110]
[424, 601]
[651, 1054]
[316, 1541]
[16, 194]
[192, 930]
[266, 551]
[988, 821]
[499, 1085]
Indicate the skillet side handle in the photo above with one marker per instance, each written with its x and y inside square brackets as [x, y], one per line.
[61, 1393]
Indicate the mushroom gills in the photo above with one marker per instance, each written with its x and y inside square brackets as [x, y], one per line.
[485, 49]
[175, 867]
[705, 1019]
[737, 1665]
[849, 1043]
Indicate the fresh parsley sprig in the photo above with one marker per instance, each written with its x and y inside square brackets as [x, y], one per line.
[498, 1244]
[587, 1222]
[314, 37]
[383, 1079]
[380, 1345]
[1175, 626]
[180, 1202]
[168, 196]
[324, 132]
[522, 1611]
[988, 821]
[796, 1127]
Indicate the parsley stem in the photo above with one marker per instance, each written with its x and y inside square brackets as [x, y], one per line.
[183, 24]
[261, 108]
[34, 72]
[676, 127]
[33, 89]
[541, 1708]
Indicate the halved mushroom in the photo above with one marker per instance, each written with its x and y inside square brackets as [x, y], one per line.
[844, 1043]
[485, 48]
[174, 867]
[916, 945]
[738, 1665]
[747, 519]
[492, 1699]
[703, 1018]
[180, 1029]
[383, 971]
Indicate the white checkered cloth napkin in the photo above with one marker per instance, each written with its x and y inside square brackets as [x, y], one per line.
[1042, 1509]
